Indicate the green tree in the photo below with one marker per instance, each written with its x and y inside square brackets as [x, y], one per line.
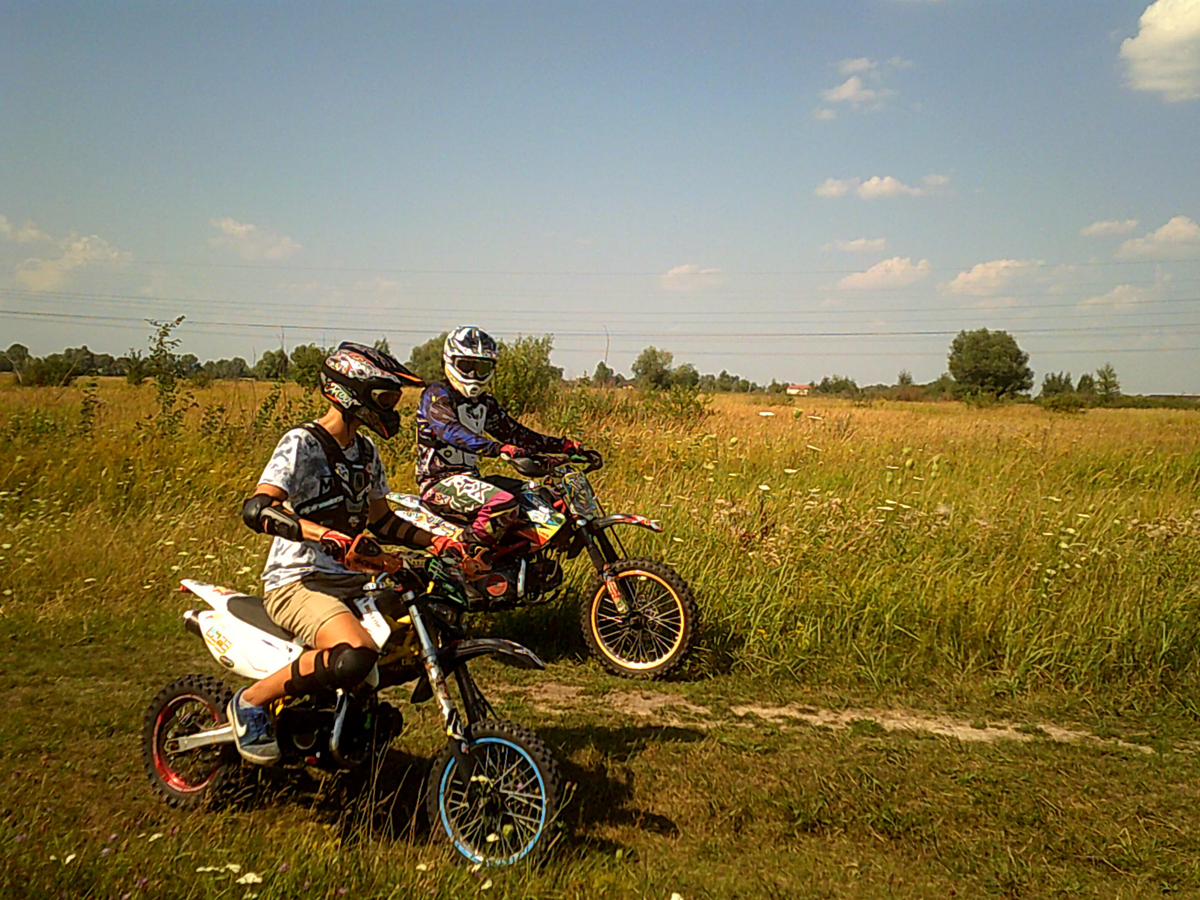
[425, 360]
[989, 362]
[603, 376]
[135, 367]
[525, 381]
[1057, 383]
[306, 363]
[1086, 385]
[17, 355]
[383, 346]
[905, 378]
[837, 384]
[55, 370]
[685, 376]
[652, 368]
[271, 366]
[1108, 388]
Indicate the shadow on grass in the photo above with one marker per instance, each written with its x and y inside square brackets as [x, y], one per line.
[600, 796]
[554, 633]
[388, 800]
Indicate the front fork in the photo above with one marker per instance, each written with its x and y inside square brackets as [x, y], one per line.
[455, 731]
[603, 554]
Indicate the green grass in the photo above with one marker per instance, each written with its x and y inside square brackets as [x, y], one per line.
[994, 566]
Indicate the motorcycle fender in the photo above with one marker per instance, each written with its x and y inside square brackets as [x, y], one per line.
[508, 651]
[626, 519]
[242, 648]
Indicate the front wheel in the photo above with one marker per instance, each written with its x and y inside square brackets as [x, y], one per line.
[502, 812]
[657, 627]
[187, 706]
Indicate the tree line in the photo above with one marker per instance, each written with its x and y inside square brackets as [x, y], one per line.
[981, 364]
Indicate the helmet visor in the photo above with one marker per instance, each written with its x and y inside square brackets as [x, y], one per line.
[386, 399]
[474, 367]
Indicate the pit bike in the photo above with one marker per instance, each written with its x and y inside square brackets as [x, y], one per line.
[638, 616]
[494, 787]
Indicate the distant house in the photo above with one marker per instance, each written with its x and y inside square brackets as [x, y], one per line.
[798, 390]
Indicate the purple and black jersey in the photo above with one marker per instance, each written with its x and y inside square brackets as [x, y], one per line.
[451, 433]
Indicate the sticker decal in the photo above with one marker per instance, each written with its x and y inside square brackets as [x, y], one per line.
[217, 640]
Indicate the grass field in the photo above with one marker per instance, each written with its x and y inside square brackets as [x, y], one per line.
[992, 575]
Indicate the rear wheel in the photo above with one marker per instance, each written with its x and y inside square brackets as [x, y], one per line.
[503, 812]
[655, 631]
[187, 706]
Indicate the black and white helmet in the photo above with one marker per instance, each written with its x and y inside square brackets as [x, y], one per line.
[365, 383]
[469, 357]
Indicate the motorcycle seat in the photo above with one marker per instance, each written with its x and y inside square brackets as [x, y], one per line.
[250, 610]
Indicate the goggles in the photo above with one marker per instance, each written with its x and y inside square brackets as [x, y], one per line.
[386, 399]
[474, 367]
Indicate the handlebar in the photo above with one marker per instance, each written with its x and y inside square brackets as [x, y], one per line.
[537, 465]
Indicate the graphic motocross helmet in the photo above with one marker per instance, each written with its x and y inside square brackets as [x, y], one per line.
[469, 356]
[365, 383]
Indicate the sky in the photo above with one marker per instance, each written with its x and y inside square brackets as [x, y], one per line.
[785, 190]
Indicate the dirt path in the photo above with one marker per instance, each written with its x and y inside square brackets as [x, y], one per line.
[658, 708]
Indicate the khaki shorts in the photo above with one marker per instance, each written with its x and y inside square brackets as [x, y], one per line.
[303, 606]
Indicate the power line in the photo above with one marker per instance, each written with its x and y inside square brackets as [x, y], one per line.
[1082, 306]
[1133, 330]
[594, 273]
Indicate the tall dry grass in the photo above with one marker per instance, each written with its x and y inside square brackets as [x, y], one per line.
[898, 543]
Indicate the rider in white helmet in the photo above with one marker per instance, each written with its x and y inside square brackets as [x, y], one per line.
[455, 418]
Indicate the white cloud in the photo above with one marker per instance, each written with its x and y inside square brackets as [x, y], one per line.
[880, 186]
[836, 187]
[248, 242]
[855, 66]
[1120, 297]
[822, 114]
[854, 92]
[1164, 57]
[692, 278]
[26, 234]
[886, 186]
[894, 272]
[1180, 235]
[858, 245]
[75, 252]
[989, 278]
[1109, 227]
[865, 85]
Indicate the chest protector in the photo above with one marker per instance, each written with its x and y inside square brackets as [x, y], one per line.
[343, 501]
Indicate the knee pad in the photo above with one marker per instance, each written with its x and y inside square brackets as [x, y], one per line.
[350, 667]
[342, 667]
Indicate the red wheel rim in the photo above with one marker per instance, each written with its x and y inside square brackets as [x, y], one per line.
[173, 779]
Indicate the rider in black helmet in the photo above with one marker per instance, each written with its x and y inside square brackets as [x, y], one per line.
[323, 486]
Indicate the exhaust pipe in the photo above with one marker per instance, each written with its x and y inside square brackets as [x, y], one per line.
[191, 621]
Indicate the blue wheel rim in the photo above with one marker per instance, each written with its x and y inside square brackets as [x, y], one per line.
[538, 824]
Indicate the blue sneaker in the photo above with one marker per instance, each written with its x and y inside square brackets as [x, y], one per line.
[253, 732]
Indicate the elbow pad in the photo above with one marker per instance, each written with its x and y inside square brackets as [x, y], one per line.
[391, 529]
[262, 515]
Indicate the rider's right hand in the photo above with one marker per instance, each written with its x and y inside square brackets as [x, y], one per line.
[441, 545]
[336, 544]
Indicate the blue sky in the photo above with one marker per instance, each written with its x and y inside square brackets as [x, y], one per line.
[784, 190]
